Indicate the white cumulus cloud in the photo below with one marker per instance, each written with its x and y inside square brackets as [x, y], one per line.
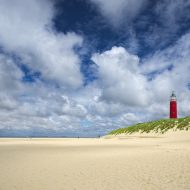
[27, 31]
[120, 77]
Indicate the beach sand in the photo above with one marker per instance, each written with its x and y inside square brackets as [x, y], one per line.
[138, 162]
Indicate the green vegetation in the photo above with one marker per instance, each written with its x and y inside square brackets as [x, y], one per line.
[159, 126]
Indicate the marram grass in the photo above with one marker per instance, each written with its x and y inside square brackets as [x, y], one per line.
[159, 126]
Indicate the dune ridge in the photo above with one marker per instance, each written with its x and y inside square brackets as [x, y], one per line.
[158, 126]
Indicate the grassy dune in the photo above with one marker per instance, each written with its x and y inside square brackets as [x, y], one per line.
[159, 126]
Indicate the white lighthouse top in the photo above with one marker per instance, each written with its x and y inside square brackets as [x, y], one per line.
[173, 96]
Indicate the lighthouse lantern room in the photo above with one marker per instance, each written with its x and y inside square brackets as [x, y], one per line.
[173, 106]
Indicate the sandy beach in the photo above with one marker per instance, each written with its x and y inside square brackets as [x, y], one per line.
[138, 162]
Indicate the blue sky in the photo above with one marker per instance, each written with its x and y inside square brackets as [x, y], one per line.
[86, 67]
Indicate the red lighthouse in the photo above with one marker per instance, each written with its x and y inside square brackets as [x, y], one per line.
[173, 106]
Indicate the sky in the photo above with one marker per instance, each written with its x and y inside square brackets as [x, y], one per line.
[85, 67]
